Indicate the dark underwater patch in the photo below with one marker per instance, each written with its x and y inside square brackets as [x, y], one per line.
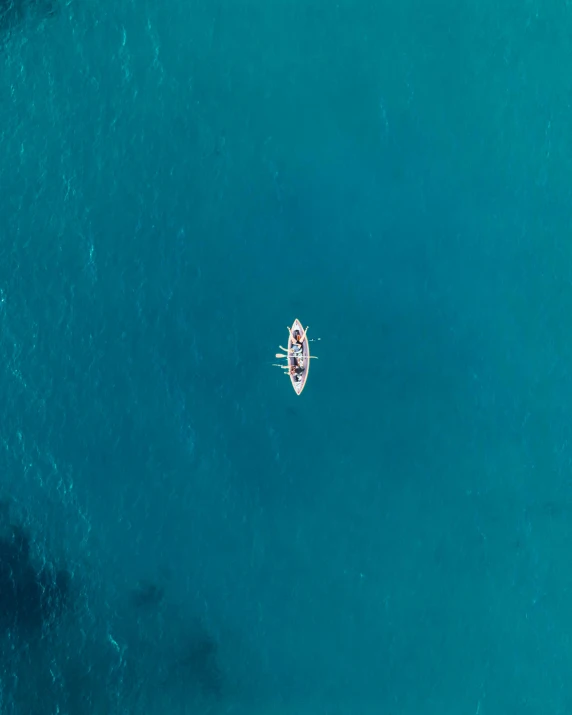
[32, 598]
[13, 13]
[193, 651]
[199, 662]
[147, 595]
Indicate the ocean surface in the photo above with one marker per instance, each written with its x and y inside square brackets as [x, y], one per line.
[179, 532]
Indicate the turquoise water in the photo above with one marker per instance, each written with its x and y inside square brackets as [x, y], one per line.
[179, 181]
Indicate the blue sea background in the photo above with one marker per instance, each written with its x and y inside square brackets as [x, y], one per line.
[178, 182]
